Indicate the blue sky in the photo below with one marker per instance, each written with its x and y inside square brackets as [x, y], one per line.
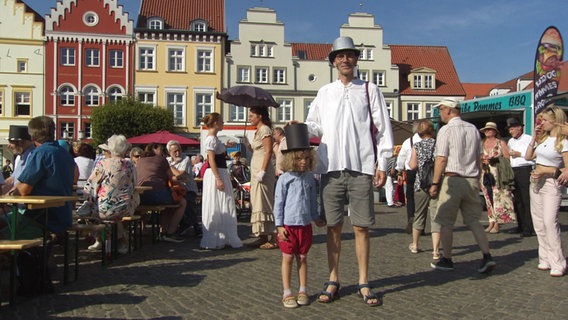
[489, 41]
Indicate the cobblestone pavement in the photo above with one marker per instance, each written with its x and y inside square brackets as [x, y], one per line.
[180, 281]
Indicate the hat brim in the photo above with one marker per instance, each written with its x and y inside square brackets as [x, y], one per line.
[104, 146]
[296, 149]
[332, 54]
[487, 128]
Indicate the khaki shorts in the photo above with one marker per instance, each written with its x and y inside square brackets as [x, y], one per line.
[459, 194]
[342, 187]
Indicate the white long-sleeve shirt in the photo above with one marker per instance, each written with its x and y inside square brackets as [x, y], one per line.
[403, 159]
[340, 117]
[520, 144]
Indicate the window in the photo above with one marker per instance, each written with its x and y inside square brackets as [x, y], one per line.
[284, 113]
[147, 97]
[262, 75]
[92, 57]
[262, 50]
[90, 19]
[146, 58]
[22, 65]
[175, 103]
[366, 54]
[379, 78]
[204, 60]
[203, 106]
[67, 96]
[67, 130]
[237, 113]
[423, 81]
[155, 24]
[91, 94]
[114, 94]
[428, 81]
[389, 108]
[364, 75]
[417, 81]
[243, 74]
[116, 58]
[176, 59]
[88, 130]
[279, 76]
[413, 111]
[430, 110]
[67, 56]
[1, 101]
[198, 26]
[307, 103]
[22, 105]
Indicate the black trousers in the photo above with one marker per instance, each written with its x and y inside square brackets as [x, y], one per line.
[522, 201]
[410, 179]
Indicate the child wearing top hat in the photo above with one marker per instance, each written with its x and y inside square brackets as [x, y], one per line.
[295, 207]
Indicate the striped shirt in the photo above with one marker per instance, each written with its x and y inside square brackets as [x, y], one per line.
[460, 142]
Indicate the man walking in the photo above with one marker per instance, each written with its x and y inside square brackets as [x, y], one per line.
[456, 182]
[342, 115]
[518, 145]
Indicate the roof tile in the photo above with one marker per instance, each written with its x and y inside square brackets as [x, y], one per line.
[177, 14]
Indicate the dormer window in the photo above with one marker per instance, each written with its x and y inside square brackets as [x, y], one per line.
[422, 79]
[198, 25]
[155, 24]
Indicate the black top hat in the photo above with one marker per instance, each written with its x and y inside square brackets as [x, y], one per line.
[513, 122]
[19, 133]
[297, 137]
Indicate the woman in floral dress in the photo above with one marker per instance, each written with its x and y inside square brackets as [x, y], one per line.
[499, 199]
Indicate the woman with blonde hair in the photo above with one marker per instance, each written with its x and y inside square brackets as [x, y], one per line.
[549, 149]
[219, 214]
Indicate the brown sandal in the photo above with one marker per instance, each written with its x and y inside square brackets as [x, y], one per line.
[268, 246]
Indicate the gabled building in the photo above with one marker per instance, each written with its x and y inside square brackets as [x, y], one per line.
[180, 49]
[293, 72]
[426, 75]
[21, 67]
[88, 54]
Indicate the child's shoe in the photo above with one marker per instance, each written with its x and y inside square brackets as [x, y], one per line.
[290, 302]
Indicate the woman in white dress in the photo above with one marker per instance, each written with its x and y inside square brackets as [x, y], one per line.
[219, 216]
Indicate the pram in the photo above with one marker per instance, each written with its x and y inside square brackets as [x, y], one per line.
[241, 193]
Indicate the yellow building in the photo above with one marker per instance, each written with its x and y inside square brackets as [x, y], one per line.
[21, 67]
[180, 49]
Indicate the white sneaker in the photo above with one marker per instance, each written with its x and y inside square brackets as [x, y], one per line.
[556, 273]
[543, 267]
[96, 246]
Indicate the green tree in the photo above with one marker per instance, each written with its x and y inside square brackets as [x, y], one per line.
[129, 117]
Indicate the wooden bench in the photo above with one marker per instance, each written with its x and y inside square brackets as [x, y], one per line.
[78, 229]
[16, 246]
[154, 211]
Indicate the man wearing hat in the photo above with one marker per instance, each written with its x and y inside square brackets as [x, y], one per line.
[518, 145]
[342, 115]
[456, 182]
[20, 142]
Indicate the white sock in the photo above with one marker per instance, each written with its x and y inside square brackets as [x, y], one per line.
[302, 289]
[287, 292]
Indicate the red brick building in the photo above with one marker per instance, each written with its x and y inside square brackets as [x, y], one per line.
[88, 61]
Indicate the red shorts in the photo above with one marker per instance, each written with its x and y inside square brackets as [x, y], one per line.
[299, 240]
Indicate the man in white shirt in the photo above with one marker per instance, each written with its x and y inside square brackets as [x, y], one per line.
[402, 163]
[342, 115]
[518, 145]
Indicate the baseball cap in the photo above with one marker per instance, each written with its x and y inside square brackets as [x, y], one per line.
[449, 102]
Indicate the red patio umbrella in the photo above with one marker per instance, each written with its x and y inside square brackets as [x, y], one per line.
[163, 137]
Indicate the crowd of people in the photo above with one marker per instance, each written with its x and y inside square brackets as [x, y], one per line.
[293, 185]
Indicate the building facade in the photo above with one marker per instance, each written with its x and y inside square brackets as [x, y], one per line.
[21, 67]
[88, 62]
[180, 48]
